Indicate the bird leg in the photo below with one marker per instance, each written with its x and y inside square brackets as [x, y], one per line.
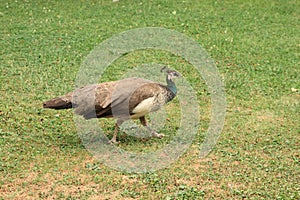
[114, 138]
[153, 132]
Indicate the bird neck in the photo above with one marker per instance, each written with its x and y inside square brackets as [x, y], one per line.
[171, 85]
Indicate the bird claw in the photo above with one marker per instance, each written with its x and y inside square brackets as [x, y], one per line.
[157, 135]
[113, 141]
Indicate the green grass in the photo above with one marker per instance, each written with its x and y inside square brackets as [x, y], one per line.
[256, 48]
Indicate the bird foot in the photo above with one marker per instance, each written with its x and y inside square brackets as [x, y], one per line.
[113, 141]
[157, 135]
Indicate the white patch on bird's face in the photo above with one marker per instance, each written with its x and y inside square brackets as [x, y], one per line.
[173, 75]
[143, 108]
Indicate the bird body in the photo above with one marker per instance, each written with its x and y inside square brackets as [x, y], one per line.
[130, 98]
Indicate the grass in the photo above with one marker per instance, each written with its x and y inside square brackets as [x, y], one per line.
[256, 48]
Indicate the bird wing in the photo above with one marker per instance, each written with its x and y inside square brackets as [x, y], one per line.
[92, 99]
[144, 92]
[127, 94]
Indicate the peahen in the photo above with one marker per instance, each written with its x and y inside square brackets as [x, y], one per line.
[130, 98]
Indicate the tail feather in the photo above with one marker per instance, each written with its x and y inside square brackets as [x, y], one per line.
[58, 103]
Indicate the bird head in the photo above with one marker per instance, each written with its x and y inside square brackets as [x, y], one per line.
[171, 74]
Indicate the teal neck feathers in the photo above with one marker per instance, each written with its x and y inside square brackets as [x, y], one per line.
[171, 85]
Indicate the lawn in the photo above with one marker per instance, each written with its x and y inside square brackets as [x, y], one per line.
[255, 45]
